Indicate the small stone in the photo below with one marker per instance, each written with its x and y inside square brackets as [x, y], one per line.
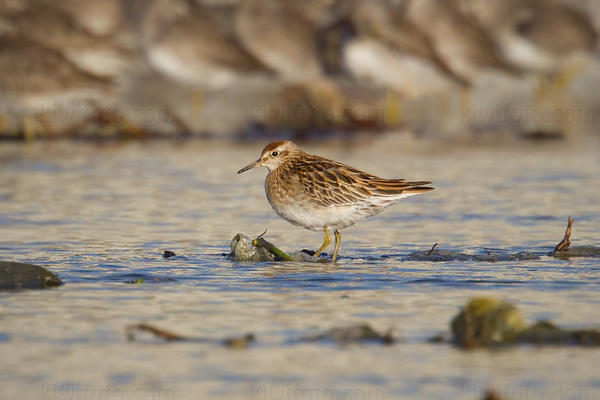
[168, 254]
[439, 338]
[239, 342]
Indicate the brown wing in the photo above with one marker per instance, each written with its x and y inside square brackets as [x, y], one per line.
[330, 183]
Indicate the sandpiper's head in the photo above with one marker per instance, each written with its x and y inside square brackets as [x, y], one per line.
[273, 155]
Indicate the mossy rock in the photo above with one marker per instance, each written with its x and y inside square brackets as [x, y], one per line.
[259, 250]
[243, 249]
[14, 275]
[485, 321]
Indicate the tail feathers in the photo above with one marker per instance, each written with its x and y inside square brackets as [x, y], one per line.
[418, 187]
[395, 187]
[417, 190]
[419, 183]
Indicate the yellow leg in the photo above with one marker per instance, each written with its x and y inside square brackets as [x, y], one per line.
[338, 241]
[325, 243]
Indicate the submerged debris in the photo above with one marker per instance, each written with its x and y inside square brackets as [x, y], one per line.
[354, 334]
[564, 250]
[545, 332]
[440, 338]
[435, 255]
[566, 241]
[486, 322]
[14, 275]
[245, 249]
[136, 279]
[578, 251]
[235, 342]
[130, 331]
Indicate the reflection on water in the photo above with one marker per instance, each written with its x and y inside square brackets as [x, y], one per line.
[101, 216]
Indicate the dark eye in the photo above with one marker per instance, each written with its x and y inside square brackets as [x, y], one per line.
[274, 154]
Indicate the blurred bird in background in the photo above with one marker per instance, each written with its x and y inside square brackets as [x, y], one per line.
[270, 67]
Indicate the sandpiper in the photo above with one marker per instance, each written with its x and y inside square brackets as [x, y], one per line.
[534, 35]
[280, 37]
[317, 193]
[189, 43]
[465, 47]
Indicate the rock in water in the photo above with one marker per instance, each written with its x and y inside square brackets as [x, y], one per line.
[545, 332]
[486, 321]
[439, 255]
[243, 249]
[168, 254]
[354, 334]
[239, 342]
[576, 251]
[14, 275]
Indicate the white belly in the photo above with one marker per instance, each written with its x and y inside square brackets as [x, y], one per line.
[316, 218]
[338, 217]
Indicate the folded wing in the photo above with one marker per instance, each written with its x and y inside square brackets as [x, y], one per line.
[330, 183]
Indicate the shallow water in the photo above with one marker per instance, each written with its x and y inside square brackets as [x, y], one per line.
[101, 216]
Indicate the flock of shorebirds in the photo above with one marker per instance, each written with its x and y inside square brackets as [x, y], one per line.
[110, 53]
